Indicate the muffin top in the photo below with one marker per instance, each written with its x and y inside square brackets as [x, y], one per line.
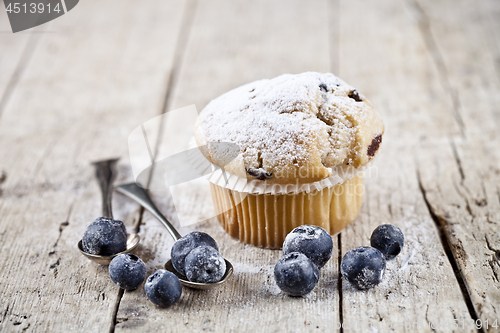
[290, 129]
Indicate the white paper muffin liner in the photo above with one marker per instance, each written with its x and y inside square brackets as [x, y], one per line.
[222, 178]
[243, 185]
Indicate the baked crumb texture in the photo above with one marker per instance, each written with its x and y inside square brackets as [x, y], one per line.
[291, 129]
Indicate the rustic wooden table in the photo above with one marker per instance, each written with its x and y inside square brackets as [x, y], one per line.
[73, 89]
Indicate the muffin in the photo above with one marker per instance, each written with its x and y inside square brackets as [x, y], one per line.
[302, 142]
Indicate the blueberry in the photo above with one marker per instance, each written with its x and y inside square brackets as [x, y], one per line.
[259, 174]
[204, 264]
[127, 271]
[296, 274]
[388, 239]
[313, 241]
[363, 267]
[163, 288]
[187, 243]
[355, 96]
[105, 237]
[373, 147]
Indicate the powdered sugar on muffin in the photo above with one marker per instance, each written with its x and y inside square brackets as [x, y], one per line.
[293, 128]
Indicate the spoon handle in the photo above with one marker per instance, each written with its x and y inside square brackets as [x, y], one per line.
[105, 173]
[132, 190]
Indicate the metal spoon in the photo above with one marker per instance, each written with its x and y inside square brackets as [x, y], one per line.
[105, 173]
[137, 193]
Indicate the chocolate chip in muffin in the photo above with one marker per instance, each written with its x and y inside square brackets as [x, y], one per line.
[259, 173]
[355, 96]
[323, 87]
[373, 147]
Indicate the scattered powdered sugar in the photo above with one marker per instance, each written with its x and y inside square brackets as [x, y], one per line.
[245, 268]
[311, 297]
[267, 271]
[270, 286]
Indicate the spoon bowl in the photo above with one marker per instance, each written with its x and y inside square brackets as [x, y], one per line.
[195, 285]
[137, 193]
[105, 174]
[132, 242]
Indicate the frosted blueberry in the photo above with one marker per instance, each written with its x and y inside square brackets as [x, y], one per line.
[313, 241]
[127, 271]
[204, 264]
[388, 239]
[295, 274]
[186, 244]
[363, 267]
[105, 237]
[163, 288]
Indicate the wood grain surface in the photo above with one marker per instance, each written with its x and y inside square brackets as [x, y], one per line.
[82, 94]
[466, 199]
[71, 92]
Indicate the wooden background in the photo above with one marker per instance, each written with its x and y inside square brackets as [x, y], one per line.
[73, 89]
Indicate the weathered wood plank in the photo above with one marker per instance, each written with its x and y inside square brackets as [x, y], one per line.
[88, 86]
[466, 198]
[226, 50]
[420, 291]
[462, 194]
[17, 50]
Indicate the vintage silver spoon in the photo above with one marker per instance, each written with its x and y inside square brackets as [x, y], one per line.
[137, 193]
[105, 173]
